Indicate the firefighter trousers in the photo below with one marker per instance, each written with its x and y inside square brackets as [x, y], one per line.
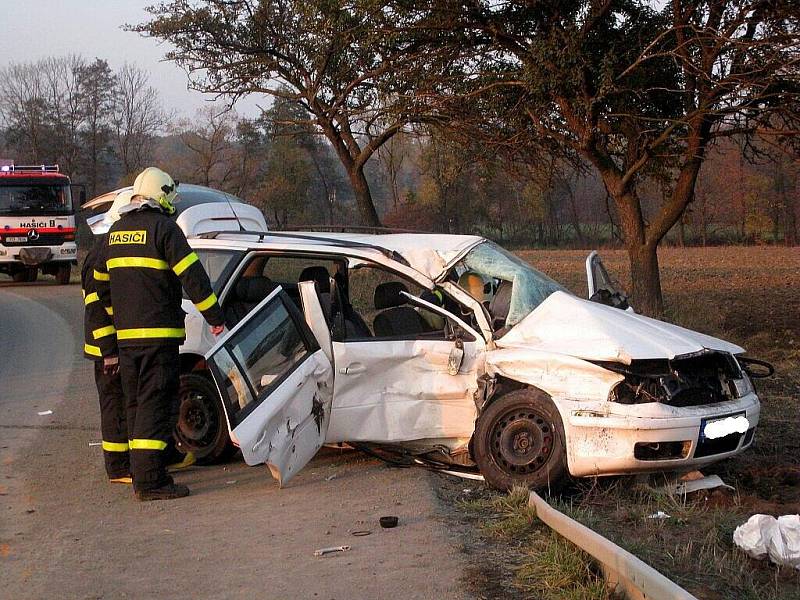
[150, 380]
[112, 422]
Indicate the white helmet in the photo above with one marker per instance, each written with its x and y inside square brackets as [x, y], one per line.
[102, 223]
[154, 184]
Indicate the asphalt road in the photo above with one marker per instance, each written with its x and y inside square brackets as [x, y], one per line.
[65, 532]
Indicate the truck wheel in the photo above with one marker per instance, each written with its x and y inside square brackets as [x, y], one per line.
[20, 276]
[519, 440]
[202, 427]
[63, 273]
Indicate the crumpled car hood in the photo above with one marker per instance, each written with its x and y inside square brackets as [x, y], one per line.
[566, 324]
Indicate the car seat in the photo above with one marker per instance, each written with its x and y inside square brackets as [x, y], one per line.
[396, 319]
[501, 304]
[247, 293]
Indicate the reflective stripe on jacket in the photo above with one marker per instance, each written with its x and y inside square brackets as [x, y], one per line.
[96, 314]
[145, 263]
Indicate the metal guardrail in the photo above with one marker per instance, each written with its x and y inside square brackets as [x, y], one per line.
[627, 574]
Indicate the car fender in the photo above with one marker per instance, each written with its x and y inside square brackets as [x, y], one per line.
[199, 340]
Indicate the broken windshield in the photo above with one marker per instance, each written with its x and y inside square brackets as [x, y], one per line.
[494, 265]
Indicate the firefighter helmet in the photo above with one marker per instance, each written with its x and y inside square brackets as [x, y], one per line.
[154, 184]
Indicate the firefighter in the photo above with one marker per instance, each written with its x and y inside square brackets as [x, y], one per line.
[100, 346]
[145, 262]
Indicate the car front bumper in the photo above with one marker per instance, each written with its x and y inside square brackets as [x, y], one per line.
[616, 439]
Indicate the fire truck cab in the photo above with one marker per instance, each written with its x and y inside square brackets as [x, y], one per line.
[37, 222]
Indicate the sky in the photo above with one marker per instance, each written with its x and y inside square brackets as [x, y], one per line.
[35, 29]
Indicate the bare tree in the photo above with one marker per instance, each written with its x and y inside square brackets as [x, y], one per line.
[209, 137]
[346, 63]
[137, 117]
[41, 106]
[24, 111]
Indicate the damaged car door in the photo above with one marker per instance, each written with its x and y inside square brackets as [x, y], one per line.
[602, 288]
[276, 385]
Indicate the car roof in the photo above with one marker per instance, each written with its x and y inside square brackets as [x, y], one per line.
[427, 253]
[189, 195]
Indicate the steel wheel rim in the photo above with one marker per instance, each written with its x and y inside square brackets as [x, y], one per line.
[197, 418]
[521, 441]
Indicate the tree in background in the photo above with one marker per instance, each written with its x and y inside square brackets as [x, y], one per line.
[136, 118]
[98, 84]
[25, 112]
[43, 111]
[346, 63]
[624, 86]
[209, 138]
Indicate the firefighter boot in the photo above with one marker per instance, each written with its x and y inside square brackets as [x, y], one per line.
[165, 492]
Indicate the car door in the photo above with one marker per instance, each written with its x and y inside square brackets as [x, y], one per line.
[397, 390]
[276, 385]
[602, 288]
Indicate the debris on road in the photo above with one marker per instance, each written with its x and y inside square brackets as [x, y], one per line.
[95, 444]
[691, 482]
[388, 522]
[659, 515]
[361, 533]
[44, 413]
[331, 550]
[765, 536]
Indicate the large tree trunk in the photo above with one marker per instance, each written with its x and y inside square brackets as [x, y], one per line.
[646, 280]
[366, 207]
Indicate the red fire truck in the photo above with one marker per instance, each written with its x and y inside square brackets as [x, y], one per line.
[37, 222]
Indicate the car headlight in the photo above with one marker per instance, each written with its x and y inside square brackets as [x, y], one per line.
[743, 386]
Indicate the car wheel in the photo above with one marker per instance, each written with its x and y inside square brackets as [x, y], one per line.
[63, 273]
[519, 440]
[202, 428]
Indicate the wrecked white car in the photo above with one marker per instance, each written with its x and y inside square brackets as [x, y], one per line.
[454, 352]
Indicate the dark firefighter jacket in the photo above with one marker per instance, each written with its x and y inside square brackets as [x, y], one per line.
[98, 328]
[145, 262]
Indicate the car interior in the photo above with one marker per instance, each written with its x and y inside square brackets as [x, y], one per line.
[360, 303]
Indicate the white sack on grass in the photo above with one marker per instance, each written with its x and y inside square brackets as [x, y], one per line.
[764, 535]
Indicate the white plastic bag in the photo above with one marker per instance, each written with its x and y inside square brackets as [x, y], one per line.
[764, 535]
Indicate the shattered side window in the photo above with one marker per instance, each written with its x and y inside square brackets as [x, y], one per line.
[495, 265]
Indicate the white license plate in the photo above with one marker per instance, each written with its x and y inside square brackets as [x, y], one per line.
[716, 428]
[16, 239]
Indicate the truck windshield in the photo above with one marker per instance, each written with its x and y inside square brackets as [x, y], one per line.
[35, 199]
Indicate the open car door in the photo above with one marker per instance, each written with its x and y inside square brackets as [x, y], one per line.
[602, 288]
[276, 385]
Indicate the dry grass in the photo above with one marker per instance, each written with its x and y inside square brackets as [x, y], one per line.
[545, 565]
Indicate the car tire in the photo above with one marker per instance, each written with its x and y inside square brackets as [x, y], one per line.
[202, 427]
[519, 440]
[63, 273]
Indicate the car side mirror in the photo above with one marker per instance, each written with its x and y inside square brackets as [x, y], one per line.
[456, 357]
